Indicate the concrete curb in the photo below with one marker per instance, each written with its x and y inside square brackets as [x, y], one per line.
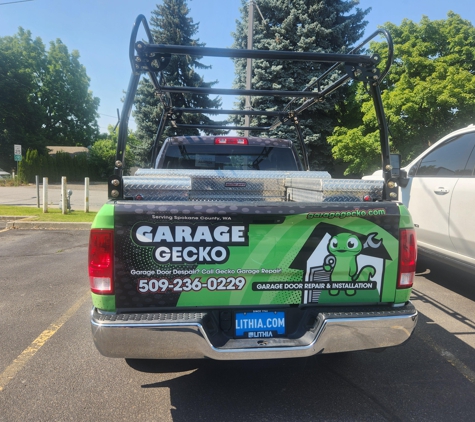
[46, 225]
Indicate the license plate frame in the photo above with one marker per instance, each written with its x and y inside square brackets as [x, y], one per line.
[259, 324]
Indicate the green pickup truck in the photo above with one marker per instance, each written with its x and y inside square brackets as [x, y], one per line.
[228, 247]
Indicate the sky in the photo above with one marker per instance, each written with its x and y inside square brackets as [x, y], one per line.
[100, 30]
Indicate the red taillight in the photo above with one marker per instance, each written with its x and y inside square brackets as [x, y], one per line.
[101, 261]
[231, 141]
[407, 258]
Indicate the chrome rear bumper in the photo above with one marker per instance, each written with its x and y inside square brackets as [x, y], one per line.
[188, 335]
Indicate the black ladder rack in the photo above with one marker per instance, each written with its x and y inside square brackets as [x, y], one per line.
[150, 58]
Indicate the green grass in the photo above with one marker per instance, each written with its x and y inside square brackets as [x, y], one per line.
[53, 214]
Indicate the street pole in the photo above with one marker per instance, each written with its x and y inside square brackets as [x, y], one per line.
[249, 62]
[37, 180]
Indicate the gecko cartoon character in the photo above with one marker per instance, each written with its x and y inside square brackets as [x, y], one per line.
[342, 263]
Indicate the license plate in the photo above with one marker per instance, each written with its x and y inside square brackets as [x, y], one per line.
[259, 324]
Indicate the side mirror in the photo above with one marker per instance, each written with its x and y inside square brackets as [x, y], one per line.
[403, 179]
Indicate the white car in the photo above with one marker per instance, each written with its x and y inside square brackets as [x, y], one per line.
[440, 195]
[377, 175]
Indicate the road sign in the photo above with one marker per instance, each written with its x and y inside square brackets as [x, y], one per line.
[17, 152]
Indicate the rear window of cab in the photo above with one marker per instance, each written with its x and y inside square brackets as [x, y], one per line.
[228, 157]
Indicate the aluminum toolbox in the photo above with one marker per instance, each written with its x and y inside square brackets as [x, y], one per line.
[248, 186]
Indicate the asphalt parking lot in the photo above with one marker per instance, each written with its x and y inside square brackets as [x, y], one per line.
[51, 370]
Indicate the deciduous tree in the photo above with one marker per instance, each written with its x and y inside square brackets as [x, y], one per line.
[45, 97]
[21, 61]
[429, 92]
[102, 154]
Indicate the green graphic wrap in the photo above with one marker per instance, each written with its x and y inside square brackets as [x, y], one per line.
[171, 256]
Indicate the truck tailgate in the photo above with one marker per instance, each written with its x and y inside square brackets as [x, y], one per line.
[261, 255]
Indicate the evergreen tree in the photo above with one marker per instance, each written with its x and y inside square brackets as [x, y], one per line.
[170, 24]
[298, 25]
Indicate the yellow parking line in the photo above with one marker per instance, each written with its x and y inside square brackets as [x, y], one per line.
[9, 373]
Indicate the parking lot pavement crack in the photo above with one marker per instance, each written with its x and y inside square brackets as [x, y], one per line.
[449, 357]
[386, 412]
